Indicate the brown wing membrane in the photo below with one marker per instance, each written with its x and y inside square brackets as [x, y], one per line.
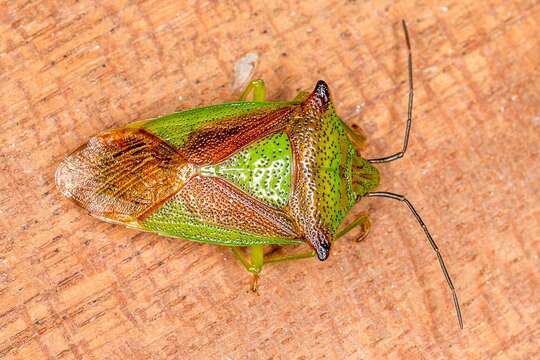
[121, 173]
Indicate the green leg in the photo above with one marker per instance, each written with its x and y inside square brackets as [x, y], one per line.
[258, 88]
[282, 258]
[363, 221]
[356, 135]
[241, 257]
[254, 264]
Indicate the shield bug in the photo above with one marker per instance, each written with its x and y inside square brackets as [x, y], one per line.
[247, 174]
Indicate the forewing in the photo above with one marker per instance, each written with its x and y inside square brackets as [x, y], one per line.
[211, 210]
[208, 135]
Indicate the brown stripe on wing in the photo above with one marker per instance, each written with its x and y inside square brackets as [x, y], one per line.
[216, 141]
[121, 173]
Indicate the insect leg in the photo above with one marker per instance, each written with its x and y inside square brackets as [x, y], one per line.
[254, 265]
[363, 221]
[258, 88]
[403, 199]
[282, 258]
[400, 154]
[241, 257]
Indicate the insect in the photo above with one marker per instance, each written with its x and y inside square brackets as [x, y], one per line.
[248, 174]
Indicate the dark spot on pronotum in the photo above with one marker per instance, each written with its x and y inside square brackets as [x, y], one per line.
[322, 94]
[322, 248]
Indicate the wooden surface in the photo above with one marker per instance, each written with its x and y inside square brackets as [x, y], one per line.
[72, 287]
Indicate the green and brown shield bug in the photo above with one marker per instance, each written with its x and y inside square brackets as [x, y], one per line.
[247, 174]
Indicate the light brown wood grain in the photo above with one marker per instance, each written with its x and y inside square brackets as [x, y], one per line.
[72, 287]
